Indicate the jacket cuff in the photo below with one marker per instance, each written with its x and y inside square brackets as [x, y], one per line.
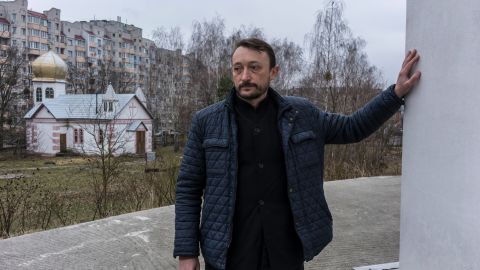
[393, 96]
[177, 253]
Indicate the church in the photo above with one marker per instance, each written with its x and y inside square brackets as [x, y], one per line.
[107, 123]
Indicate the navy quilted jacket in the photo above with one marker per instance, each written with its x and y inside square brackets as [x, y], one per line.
[209, 171]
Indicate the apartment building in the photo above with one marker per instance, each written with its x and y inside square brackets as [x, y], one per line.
[164, 75]
[82, 44]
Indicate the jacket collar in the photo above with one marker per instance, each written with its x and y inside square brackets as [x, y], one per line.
[281, 102]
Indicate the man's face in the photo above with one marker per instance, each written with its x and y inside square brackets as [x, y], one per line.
[252, 73]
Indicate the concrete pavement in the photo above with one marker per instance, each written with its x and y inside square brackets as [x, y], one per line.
[366, 215]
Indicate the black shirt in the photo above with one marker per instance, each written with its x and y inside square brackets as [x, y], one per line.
[263, 232]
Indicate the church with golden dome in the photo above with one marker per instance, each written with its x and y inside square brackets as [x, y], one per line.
[83, 123]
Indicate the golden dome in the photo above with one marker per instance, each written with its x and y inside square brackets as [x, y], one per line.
[49, 66]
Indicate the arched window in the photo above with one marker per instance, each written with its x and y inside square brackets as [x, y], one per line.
[49, 93]
[39, 94]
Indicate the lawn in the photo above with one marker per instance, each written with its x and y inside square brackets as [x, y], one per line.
[48, 192]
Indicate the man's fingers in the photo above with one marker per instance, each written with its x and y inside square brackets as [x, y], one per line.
[413, 79]
[409, 65]
[409, 57]
[406, 57]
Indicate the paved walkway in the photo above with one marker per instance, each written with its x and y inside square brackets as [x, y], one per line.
[366, 231]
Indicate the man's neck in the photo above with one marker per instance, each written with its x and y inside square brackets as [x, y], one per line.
[256, 101]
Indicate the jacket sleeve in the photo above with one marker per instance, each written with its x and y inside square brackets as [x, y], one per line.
[189, 190]
[359, 125]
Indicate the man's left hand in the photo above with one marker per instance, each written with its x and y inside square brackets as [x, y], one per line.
[405, 81]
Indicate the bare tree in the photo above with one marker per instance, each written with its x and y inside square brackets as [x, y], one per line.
[207, 47]
[14, 195]
[98, 75]
[172, 85]
[341, 79]
[290, 60]
[326, 48]
[11, 64]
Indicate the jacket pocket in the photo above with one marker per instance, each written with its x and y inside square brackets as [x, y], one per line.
[216, 152]
[305, 149]
[215, 142]
[303, 136]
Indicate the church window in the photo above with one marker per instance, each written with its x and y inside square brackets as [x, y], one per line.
[78, 136]
[49, 93]
[108, 106]
[39, 94]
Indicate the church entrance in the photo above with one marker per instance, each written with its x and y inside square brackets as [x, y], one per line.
[63, 143]
[140, 142]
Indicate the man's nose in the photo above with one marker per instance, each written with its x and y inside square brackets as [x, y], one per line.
[246, 75]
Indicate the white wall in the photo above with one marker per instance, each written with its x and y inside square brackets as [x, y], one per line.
[46, 133]
[57, 85]
[440, 208]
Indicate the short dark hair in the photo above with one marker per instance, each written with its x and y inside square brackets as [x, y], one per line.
[258, 45]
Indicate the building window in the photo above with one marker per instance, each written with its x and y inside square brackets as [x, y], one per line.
[49, 93]
[23, 18]
[108, 106]
[78, 136]
[14, 17]
[70, 42]
[4, 27]
[24, 31]
[39, 94]
[14, 30]
[70, 53]
[34, 45]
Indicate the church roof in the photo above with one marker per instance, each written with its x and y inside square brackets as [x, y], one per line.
[110, 94]
[141, 96]
[135, 125]
[81, 106]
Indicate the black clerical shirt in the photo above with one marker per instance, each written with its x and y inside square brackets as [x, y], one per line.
[263, 232]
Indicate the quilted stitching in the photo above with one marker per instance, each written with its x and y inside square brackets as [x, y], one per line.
[208, 171]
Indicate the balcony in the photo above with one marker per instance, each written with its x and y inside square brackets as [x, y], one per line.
[4, 34]
[34, 52]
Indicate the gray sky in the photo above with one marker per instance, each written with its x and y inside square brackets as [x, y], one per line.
[381, 23]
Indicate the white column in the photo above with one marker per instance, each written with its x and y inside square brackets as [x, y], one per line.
[440, 201]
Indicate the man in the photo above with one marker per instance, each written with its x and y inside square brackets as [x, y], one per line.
[256, 158]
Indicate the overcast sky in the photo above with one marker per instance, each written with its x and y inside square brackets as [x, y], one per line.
[381, 23]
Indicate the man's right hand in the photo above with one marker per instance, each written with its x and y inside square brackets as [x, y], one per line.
[188, 263]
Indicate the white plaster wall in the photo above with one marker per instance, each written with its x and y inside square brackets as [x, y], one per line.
[440, 208]
[45, 137]
[58, 87]
[133, 110]
[126, 144]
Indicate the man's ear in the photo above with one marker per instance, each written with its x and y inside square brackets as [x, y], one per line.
[274, 72]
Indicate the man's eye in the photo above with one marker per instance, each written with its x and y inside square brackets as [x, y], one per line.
[254, 68]
[237, 69]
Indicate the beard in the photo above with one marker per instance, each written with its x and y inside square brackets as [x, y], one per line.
[255, 91]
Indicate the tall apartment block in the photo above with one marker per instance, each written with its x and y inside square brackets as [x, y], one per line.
[81, 44]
